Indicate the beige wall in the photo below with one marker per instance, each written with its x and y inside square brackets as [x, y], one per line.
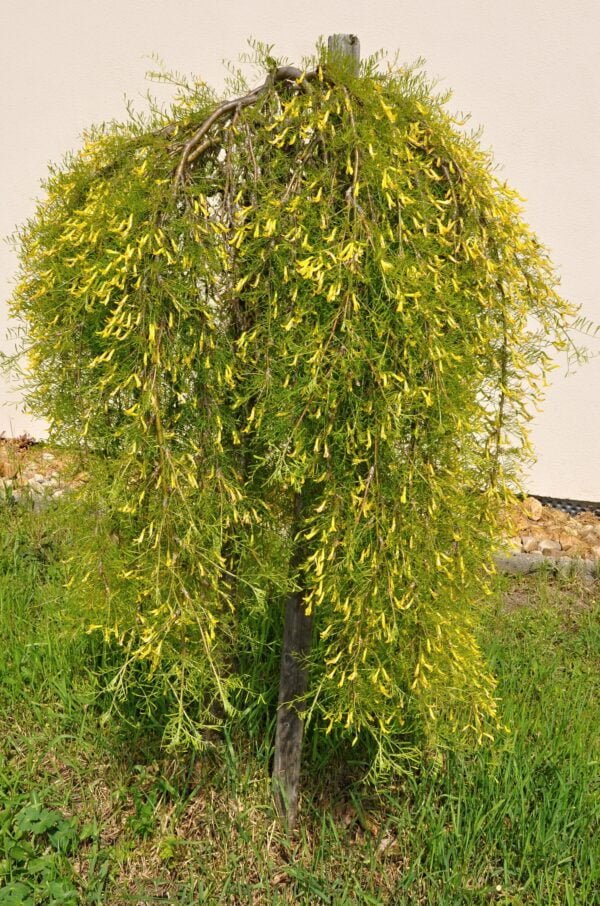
[527, 70]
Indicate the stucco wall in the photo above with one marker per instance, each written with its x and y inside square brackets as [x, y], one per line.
[528, 71]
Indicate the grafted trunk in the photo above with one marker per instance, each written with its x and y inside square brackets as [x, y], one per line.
[293, 686]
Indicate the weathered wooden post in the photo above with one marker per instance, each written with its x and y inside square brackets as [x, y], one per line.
[298, 625]
[346, 45]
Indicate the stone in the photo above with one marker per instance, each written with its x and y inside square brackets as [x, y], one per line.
[549, 548]
[533, 509]
[517, 564]
[525, 564]
[48, 457]
[529, 544]
[568, 566]
[596, 552]
[568, 541]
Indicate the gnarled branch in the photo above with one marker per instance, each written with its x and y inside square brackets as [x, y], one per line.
[195, 146]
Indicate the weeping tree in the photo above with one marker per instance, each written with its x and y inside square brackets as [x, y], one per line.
[298, 334]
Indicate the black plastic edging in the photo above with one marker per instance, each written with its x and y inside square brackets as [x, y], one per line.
[572, 507]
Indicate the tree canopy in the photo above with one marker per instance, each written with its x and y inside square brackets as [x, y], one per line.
[320, 290]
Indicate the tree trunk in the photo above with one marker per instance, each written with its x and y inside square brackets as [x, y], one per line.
[293, 685]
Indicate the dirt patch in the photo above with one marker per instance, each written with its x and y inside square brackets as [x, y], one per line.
[569, 597]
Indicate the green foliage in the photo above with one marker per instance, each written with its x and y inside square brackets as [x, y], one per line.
[329, 294]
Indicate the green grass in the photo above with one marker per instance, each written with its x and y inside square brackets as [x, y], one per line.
[91, 812]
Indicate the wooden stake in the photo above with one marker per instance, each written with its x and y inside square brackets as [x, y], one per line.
[347, 46]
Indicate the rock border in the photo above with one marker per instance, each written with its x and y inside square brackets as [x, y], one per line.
[526, 564]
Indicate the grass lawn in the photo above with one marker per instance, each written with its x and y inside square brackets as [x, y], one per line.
[91, 811]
